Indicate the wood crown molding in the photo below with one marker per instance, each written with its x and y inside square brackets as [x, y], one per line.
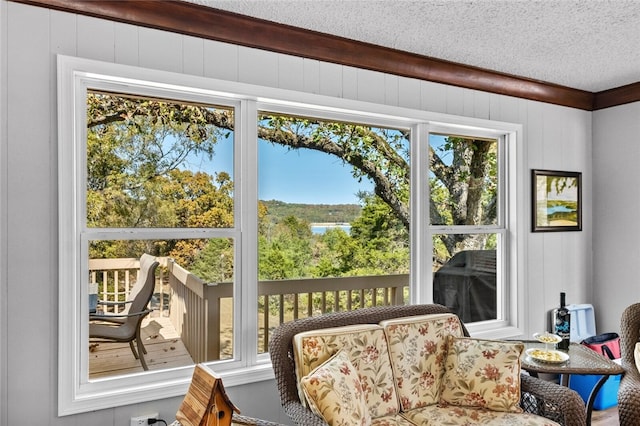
[213, 24]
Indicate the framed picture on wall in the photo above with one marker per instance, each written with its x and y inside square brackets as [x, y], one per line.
[556, 201]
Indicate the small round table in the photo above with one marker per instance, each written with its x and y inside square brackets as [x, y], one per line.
[582, 360]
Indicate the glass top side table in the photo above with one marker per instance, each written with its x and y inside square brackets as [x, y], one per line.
[582, 360]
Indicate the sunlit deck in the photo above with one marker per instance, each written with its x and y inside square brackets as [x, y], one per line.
[164, 350]
[192, 321]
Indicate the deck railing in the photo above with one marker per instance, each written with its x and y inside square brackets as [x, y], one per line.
[115, 278]
[195, 311]
[202, 313]
[287, 300]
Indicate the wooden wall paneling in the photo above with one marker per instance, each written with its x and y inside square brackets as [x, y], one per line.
[160, 50]
[349, 82]
[455, 100]
[95, 38]
[533, 135]
[291, 72]
[481, 104]
[257, 67]
[409, 93]
[535, 285]
[221, 60]
[370, 86]
[329, 78]
[469, 103]
[390, 90]
[616, 202]
[311, 75]
[30, 237]
[433, 97]
[127, 44]
[63, 34]
[193, 56]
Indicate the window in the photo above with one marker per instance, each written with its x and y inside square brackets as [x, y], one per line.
[467, 226]
[192, 171]
[334, 233]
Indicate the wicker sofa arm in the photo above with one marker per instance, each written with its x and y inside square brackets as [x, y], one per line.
[629, 396]
[629, 390]
[301, 415]
[553, 401]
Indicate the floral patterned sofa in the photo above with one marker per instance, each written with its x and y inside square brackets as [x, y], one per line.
[408, 365]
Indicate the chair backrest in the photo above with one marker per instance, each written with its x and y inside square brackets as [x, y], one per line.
[143, 289]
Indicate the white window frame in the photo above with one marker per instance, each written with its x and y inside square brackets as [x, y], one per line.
[506, 325]
[78, 394]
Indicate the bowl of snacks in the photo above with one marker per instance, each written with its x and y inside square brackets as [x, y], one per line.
[550, 356]
[547, 338]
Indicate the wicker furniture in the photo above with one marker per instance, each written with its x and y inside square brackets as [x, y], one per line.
[539, 397]
[629, 391]
[582, 360]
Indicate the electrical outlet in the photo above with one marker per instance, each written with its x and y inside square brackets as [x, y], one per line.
[142, 420]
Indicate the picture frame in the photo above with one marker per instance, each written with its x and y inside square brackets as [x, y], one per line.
[556, 201]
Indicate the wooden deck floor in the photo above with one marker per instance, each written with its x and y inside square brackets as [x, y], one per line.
[608, 417]
[164, 350]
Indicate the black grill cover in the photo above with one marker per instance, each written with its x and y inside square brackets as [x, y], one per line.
[466, 284]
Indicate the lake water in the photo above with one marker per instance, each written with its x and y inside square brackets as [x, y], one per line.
[321, 229]
[559, 209]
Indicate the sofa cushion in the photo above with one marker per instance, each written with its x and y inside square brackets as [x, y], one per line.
[454, 415]
[417, 346]
[366, 348]
[482, 373]
[393, 420]
[636, 355]
[334, 392]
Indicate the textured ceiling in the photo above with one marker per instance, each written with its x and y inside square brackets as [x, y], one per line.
[591, 45]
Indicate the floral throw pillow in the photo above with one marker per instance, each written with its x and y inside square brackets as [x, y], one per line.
[482, 373]
[334, 392]
[418, 348]
[636, 355]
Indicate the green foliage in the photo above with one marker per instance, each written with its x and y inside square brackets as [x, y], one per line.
[464, 191]
[314, 213]
[218, 253]
[287, 251]
[138, 176]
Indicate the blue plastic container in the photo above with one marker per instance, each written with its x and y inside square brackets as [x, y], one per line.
[607, 396]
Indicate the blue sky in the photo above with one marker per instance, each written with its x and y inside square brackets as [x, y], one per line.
[299, 175]
[302, 175]
[295, 176]
[305, 176]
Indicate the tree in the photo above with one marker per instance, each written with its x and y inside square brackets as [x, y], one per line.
[135, 176]
[461, 189]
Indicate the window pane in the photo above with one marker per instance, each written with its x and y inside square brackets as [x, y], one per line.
[328, 239]
[465, 274]
[185, 326]
[463, 180]
[156, 163]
